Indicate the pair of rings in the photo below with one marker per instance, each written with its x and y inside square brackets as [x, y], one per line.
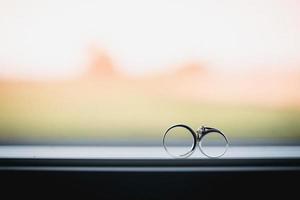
[198, 137]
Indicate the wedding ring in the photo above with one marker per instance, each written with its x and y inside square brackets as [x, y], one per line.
[220, 146]
[187, 152]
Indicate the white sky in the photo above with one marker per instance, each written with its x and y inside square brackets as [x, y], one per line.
[40, 38]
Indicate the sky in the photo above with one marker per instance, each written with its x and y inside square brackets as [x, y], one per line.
[50, 39]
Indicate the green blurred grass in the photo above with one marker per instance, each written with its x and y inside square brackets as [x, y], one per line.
[73, 114]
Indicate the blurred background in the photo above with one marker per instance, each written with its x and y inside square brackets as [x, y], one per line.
[121, 72]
